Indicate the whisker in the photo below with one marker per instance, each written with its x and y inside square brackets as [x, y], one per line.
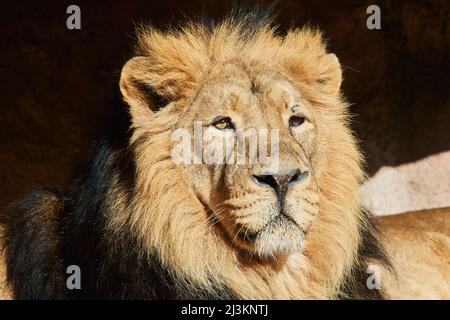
[350, 68]
[237, 233]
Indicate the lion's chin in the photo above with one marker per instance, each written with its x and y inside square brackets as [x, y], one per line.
[280, 237]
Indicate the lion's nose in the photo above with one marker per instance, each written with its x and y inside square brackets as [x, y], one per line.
[281, 182]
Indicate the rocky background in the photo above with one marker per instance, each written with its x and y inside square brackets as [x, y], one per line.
[60, 93]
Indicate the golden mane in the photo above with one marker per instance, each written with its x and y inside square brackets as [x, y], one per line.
[172, 220]
[140, 226]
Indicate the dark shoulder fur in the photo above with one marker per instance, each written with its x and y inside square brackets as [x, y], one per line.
[370, 253]
[48, 231]
[32, 236]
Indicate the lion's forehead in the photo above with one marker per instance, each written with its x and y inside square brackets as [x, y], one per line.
[247, 93]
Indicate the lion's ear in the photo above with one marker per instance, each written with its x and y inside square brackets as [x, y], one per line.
[138, 88]
[329, 79]
[309, 62]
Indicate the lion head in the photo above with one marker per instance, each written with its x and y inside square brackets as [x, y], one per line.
[284, 226]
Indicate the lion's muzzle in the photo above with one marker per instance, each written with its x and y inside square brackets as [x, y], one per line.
[281, 183]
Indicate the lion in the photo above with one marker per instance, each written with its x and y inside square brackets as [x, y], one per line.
[140, 225]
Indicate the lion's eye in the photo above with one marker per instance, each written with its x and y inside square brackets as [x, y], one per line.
[296, 121]
[223, 123]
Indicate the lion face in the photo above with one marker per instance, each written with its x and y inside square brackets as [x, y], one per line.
[262, 207]
[289, 182]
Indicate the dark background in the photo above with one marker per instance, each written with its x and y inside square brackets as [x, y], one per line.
[60, 88]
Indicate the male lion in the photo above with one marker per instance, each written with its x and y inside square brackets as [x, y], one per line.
[141, 226]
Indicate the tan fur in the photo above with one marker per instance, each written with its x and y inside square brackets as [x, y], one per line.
[181, 66]
[419, 246]
[203, 73]
[5, 293]
[178, 66]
